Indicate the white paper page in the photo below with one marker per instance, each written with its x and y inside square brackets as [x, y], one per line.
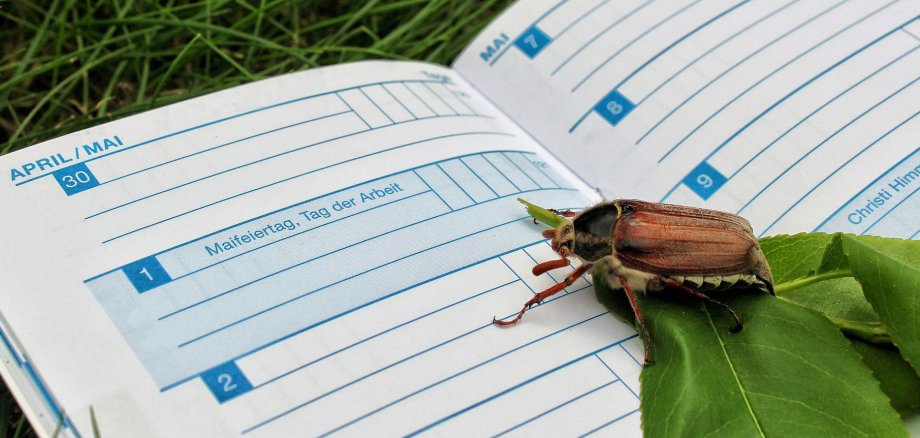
[320, 252]
[799, 115]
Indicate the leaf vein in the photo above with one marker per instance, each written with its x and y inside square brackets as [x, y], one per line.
[747, 403]
[813, 409]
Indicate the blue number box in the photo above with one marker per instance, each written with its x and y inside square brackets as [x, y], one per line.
[146, 274]
[704, 180]
[75, 179]
[532, 41]
[226, 381]
[614, 107]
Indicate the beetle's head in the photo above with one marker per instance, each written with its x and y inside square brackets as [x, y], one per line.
[563, 238]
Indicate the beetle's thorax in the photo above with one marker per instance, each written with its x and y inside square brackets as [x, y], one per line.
[591, 248]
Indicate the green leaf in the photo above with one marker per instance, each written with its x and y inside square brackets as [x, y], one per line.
[789, 372]
[795, 256]
[889, 272]
[811, 269]
[898, 380]
[615, 301]
[543, 215]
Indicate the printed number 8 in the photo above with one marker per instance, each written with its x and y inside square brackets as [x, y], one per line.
[704, 180]
[227, 381]
[76, 179]
[614, 108]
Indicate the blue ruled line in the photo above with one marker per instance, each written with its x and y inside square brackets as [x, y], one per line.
[875, 181]
[369, 127]
[349, 311]
[678, 41]
[456, 113]
[804, 119]
[609, 422]
[714, 48]
[381, 333]
[548, 178]
[889, 211]
[633, 41]
[617, 375]
[249, 283]
[579, 18]
[486, 157]
[536, 22]
[799, 88]
[421, 100]
[294, 177]
[413, 356]
[377, 106]
[250, 137]
[653, 58]
[595, 37]
[213, 233]
[517, 386]
[432, 190]
[556, 408]
[834, 134]
[521, 170]
[834, 173]
[224, 119]
[777, 70]
[455, 183]
[460, 373]
[730, 69]
[479, 177]
[399, 101]
[206, 300]
[458, 98]
[308, 293]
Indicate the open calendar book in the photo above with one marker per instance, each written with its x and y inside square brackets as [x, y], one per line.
[323, 252]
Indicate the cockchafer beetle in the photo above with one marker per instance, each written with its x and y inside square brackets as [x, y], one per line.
[645, 246]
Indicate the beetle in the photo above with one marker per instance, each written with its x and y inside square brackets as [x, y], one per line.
[645, 247]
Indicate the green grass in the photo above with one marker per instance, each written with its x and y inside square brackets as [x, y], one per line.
[70, 64]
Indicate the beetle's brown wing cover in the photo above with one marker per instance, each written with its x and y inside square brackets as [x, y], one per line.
[677, 240]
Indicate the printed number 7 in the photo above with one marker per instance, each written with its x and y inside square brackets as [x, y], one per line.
[532, 40]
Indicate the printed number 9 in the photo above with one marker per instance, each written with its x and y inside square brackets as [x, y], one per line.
[76, 179]
[227, 381]
[704, 180]
[614, 108]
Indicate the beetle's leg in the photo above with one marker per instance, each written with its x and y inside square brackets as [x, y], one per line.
[566, 213]
[538, 298]
[675, 284]
[541, 268]
[639, 319]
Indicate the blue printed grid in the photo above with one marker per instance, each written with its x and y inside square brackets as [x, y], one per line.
[429, 218]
